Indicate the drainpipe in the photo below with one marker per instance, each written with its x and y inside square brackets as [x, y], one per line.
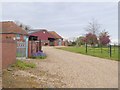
[27, 46]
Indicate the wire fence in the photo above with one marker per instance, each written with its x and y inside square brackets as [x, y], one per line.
[110, 50]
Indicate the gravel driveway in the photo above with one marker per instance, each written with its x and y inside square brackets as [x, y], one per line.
[80, 71]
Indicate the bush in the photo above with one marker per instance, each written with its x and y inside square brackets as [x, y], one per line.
[23, 65]
[39, 55]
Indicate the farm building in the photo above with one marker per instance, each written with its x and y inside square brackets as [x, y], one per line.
[49, 38]
[11, 31]
[58, 39]
[15, 42]
[13, 38]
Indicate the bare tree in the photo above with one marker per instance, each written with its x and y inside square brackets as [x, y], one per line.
[93, 27]
[27, 28]
[23, 26]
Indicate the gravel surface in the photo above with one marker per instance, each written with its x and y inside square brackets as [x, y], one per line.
[63, 69]
[0, 78]
[80, 71]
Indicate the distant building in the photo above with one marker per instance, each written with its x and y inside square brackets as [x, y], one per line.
[49, 38]
[58, 39]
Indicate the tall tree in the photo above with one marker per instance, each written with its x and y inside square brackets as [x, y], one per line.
[93, 27]
[91, 39]
[23, 26]
[104, 38]
[80, 41]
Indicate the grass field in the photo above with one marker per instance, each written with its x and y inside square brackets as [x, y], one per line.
[94, 52]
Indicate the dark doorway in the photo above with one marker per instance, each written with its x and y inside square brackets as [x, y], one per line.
[51, 41]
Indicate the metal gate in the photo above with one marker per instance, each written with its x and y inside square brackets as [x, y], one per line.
[21, 49]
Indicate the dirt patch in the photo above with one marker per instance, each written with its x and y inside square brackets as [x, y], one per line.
[30, 78]
[17, 81]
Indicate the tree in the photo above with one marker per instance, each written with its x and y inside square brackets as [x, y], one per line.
[23, 26]
[27, 28]
[104, 38]
[80, 41]
[91, 39]
[93, 27]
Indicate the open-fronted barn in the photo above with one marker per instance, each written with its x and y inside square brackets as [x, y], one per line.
[58, 39]
[49, 38]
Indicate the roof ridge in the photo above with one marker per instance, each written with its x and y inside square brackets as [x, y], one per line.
[6, 21]
[37, 30]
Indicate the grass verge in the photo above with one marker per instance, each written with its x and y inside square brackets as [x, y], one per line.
[96, 52]
[23, 65]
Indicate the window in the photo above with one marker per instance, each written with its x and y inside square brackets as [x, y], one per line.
[24, 37]
[18, 36]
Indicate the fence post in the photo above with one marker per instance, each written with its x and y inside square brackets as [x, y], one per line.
[86, 47]
[110, 51]
[101, 47]
[118, 51]
[114, 48]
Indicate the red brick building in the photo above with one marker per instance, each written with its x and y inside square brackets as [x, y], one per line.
[58, 39]
[15, 42]
[48, 38]
[11, 34]
[10, 30]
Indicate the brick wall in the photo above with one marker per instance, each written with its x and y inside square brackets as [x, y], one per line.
[56, 42]
[8, 36]
[8, 52]
[0, 55]
[33, 47]
[11, 36]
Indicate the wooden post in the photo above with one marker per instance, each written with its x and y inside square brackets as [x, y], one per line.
[40, 45]
[110, 51]
[101, 48]
[114, 48]
[31, 45]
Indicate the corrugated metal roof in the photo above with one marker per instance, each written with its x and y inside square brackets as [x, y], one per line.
[43, 34]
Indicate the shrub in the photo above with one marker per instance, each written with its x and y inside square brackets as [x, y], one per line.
[39, 55]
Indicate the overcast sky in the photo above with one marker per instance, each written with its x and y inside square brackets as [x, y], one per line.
[66, 18]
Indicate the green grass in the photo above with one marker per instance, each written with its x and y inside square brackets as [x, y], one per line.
[94, 52]
[23, 65]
